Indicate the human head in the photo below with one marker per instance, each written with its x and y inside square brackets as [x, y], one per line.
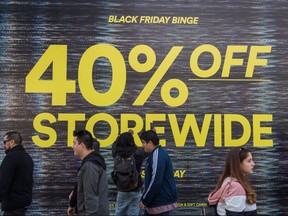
[239, 162]
[83, 142]
[126, 140]
[149, 140]
[12, 139]
[246, 161]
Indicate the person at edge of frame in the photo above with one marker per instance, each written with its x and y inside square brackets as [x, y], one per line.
[160, 193]
[92, 183]
[127, 202]
[234, 194]
[16, 176]
[72, 209]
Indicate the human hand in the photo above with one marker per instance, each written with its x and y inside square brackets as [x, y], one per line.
[71, 211]
[141, 205]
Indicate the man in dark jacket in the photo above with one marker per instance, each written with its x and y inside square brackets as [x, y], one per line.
[160, 194]
[16, 176]
[92, 184]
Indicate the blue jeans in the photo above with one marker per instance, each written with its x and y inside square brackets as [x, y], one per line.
[127, 203]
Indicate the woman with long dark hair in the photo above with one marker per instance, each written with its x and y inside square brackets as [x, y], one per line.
[127, 201]
[234, 194]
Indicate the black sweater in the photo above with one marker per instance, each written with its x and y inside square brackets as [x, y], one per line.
[16, 179]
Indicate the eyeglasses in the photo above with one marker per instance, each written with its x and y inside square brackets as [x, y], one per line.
[4, 141]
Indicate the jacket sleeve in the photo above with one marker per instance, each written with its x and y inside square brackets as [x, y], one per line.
[158, 169]
[6, 176]
[73, 200]
[90, 180]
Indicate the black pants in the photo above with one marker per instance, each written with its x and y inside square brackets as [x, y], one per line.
[161, 214]
[17, 212]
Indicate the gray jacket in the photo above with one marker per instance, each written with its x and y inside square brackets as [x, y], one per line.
[92, 187]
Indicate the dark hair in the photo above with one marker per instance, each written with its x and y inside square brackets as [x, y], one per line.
[84, 136]
[96, 145]
[150, 135]
[126, 140]
[15, 135]
[233, 169]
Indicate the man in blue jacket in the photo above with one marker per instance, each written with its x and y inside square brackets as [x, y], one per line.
[160, 195]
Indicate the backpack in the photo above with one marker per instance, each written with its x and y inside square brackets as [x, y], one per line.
[125, 175]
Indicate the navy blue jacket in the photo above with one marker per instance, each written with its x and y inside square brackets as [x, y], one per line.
[160, 185]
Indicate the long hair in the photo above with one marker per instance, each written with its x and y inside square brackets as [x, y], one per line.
[233, 169]
[125, 140]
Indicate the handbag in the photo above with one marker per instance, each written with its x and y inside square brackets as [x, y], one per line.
[209, 210]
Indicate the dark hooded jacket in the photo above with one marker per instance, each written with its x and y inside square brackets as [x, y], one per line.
[92, 186]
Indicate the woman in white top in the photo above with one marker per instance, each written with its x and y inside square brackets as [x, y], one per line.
[234, 194]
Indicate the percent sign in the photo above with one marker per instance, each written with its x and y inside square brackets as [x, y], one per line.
[158, 75]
